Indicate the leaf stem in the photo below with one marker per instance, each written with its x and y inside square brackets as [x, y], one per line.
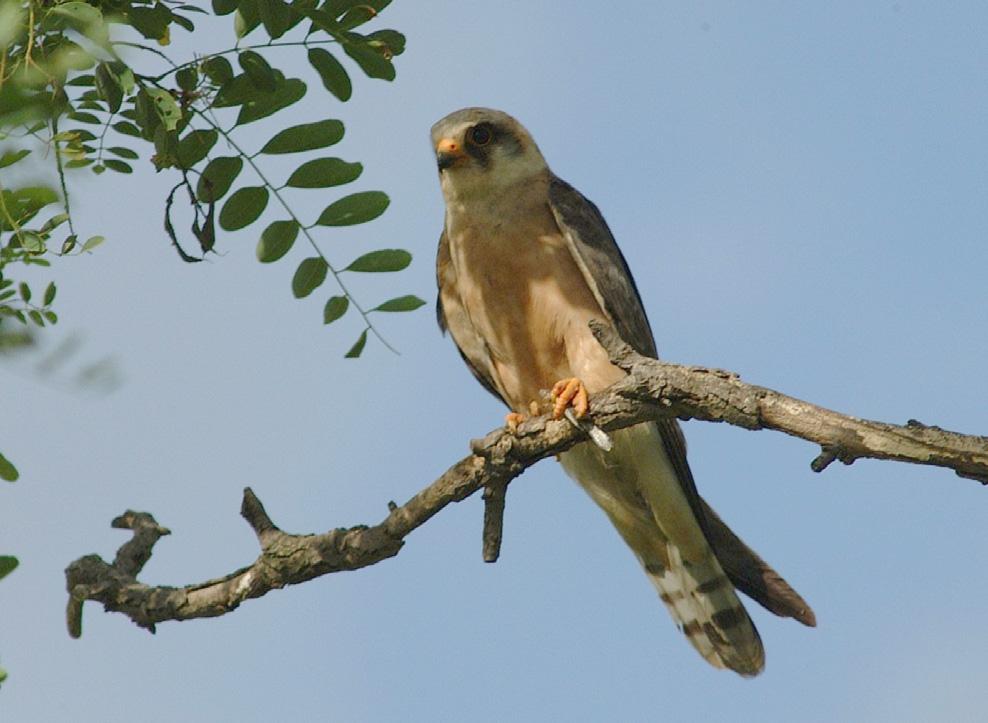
[61, 172]
[176, 68]
[305, 229]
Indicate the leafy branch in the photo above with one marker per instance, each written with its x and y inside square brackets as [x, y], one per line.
[70, 100]
[61, 62]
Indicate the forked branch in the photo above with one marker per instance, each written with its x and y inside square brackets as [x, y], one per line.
[652, 390]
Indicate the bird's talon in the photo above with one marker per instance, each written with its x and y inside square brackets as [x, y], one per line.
[569, 393]
[512, 420]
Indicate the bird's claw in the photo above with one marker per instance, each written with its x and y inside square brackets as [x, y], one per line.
[512, 420]
[569, 393]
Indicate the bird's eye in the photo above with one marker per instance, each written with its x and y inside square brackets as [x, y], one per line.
[481, 135]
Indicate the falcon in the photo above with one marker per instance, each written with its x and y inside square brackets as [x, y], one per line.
[524, 262]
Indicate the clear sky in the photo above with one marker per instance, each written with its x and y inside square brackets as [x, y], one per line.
[801, 190]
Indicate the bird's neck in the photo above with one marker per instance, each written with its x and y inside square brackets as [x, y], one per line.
[485, 201]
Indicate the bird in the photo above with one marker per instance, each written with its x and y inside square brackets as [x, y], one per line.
[524, 262]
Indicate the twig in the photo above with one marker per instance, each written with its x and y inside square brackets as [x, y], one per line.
[493, 520]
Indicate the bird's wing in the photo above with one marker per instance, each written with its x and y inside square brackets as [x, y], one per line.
[609, 278]
[453, 317]
[752, 575]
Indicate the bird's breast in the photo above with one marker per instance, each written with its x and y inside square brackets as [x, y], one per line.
[527, 298]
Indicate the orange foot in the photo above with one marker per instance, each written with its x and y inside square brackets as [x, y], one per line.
[569, 393]
[512, 420]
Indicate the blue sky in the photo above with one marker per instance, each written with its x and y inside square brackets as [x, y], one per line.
[802, 193]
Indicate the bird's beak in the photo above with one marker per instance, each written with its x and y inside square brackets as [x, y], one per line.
[448, 153]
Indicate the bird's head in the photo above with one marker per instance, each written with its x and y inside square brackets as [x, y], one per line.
[480, 151]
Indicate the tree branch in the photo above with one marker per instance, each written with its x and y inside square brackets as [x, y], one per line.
[652, 390]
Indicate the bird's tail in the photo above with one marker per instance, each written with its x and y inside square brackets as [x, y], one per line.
[705, 607]
[638, 489]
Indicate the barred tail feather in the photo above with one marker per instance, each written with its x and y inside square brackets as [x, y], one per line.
[705, 607]
[638, 489]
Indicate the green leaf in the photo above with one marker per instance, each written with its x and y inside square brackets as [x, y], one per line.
[25, 291]
[92, 242]
[333, 75]
[50, 292]
[166, 107]
[276, 16]
[382, 260]
[218, 69]
[127, 129]
[31, 241]
[323, 173]
[165, 147]
[357, 15]
[11, 157]
[401, 303]
[35, 197]
[184, 22]
[305, 137]
[276, 241]
[358, 346]
[335, 308]
[372, 62]
[7, 563]
[146, 115]
[83, 17]
[76, 134]
[219, 175]
[288, 92]
[247, 18]
[309, 275]
[23, 203]
[258, 71]
[243, 207]
[151, 22]
[50, 316]
[224, 7]
[118, 166]
[54, 222]
[235, 91]
[187, 79]
[108, 86]
[84, 117]
[391, 42]
[322, 20]
[86, 80]
[35, 316]
[194, 147]
[355, 208]
[123, 152]
[336, 8]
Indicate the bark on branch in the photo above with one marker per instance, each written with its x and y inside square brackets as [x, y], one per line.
[652, 390]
